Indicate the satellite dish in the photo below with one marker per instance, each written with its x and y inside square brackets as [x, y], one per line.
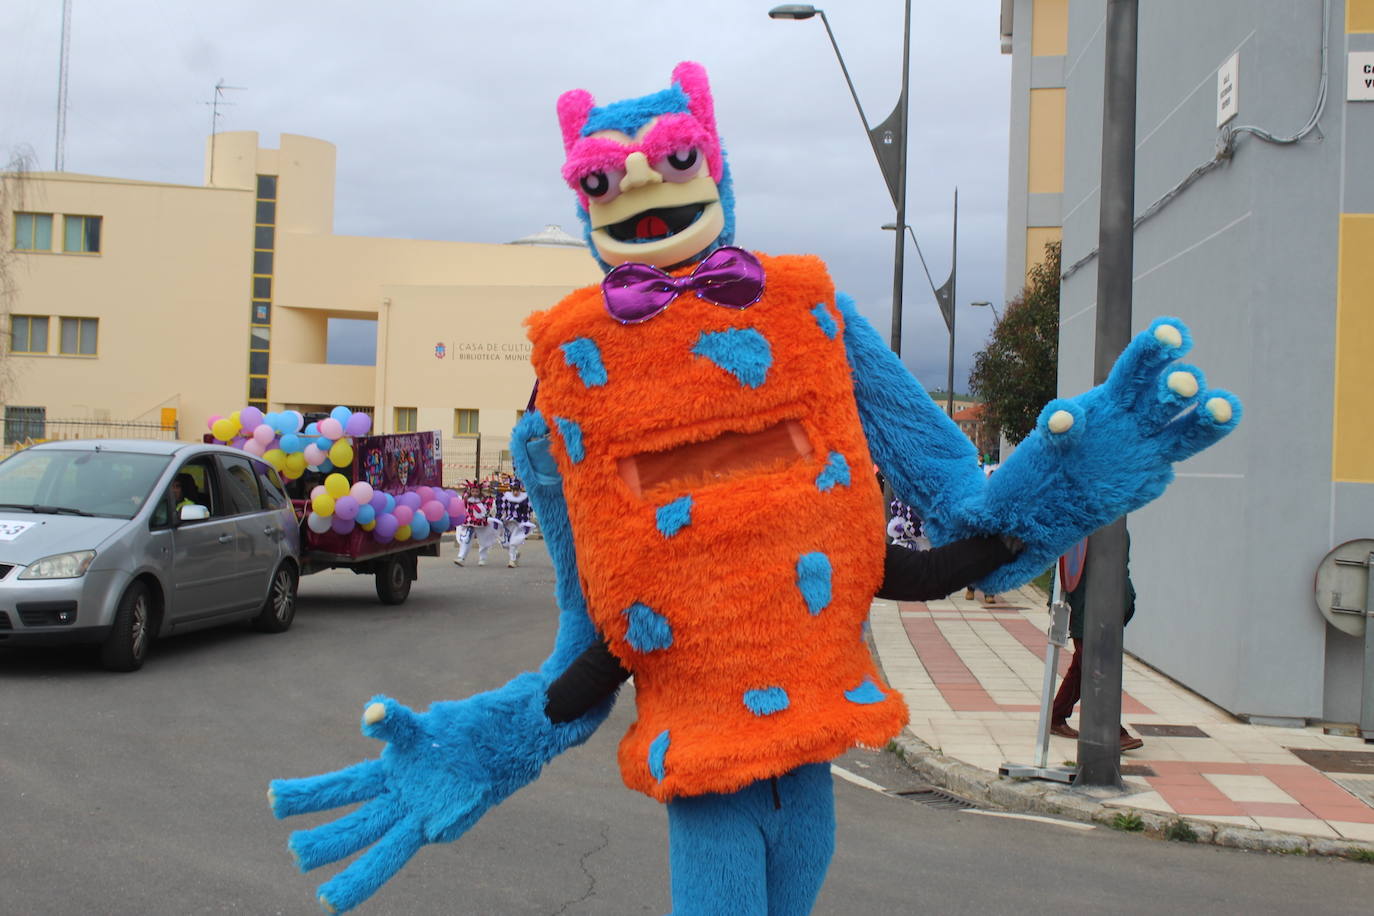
[1342, 586]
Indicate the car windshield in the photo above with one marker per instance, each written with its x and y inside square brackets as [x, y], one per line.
[58, 481]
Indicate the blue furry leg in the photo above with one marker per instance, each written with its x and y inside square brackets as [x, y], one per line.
[753, 852]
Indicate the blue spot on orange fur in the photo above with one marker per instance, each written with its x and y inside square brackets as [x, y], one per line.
[836, 472]
[649, 630]
[572, 438]
[742, 352]
[585, 356]
[813, 579]
[865, 694]
[675, 516]
[766, 701]
[658, 750]
[828, 325]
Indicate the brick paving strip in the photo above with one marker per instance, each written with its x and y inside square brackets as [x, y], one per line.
[971, 675]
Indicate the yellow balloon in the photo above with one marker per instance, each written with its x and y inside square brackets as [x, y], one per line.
[336, 485]
[290, 476]
[323, 505]
[224, 429]
[403, 533]
[275, 457]
[368, 526]
[341, 453]
[295, 464]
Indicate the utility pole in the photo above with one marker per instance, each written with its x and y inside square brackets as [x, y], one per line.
[1099, 744]
[214, 104]
[60, 147]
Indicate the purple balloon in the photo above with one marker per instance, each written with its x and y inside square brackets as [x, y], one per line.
[341, 525]
[358, 425]
[346, 507]
[411, 499]
[378, 500]
[386, 527]
[250, 418]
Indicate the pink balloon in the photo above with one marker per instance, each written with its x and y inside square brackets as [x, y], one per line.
[211, 422]
[319, 488]
[403, 515]
[331, 428]
[264, 435]
[362, 492]
[314, 455]
[433, 510]
[254, 447]
[426, 494]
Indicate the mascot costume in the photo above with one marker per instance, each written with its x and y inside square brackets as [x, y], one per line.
[702, 394]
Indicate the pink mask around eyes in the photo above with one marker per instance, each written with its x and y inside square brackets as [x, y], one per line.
[671, 134]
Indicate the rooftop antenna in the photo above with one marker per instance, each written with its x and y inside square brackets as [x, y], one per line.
[60, 156]
[215, 103]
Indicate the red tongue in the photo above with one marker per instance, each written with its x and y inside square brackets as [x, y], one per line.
[650, 227]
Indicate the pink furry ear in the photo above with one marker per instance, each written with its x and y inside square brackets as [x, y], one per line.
[573, 108]
[691, 76]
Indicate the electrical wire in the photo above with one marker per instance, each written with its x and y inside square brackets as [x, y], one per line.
[1227, 140]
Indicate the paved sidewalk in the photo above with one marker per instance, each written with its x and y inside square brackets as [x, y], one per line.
[971, 675]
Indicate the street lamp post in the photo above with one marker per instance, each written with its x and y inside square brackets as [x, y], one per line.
[996, 318]
[888, 140]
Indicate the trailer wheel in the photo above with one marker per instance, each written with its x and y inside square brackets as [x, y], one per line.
[393, 579]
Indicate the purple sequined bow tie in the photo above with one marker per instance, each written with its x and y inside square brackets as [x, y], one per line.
[729, 276]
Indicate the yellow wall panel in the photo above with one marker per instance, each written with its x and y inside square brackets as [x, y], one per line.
[1045, 168]
[1036, 239]
[1352, 448]
[1050, 28]
[1359, 15]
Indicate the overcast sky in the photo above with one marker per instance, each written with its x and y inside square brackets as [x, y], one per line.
[443, 115]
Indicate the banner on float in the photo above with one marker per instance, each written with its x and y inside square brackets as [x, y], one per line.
[401, 461]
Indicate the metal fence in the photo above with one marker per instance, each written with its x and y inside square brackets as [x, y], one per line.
[17, 432]
[474, 457]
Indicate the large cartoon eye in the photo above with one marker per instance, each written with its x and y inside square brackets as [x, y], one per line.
[679, 165]
[602, 186]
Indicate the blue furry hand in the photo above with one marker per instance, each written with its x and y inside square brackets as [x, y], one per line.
[439, 773]
[1093, 458]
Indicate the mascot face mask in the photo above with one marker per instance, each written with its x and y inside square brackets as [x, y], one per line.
[651, 179]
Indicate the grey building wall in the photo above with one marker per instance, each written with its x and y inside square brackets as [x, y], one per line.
[1246, 256]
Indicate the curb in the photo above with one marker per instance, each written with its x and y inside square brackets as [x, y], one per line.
[1090, 806]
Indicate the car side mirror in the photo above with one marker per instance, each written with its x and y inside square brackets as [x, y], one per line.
[193, 513]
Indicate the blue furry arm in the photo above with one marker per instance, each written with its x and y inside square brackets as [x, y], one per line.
[441, 770]
[928, 460]
[1107, 452]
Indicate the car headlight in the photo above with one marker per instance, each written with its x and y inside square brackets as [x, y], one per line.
[60, 566]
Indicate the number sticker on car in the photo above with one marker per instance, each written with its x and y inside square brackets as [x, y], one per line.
[10, 530]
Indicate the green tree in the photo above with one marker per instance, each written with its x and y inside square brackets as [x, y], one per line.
[1017, 373]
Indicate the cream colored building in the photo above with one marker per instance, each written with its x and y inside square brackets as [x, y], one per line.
[139, 305]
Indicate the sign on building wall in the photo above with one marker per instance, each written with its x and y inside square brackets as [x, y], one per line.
[1360, 77]
[1228, 97]
[484, 350]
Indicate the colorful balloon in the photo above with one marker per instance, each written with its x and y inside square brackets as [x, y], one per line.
[318, 523]
[263, 434]
[403, 533]
[361, 491]
[224, 429]
[295, 465]
[432, 510]
[403, 515]
[341, 414]
[313, 455]
[346, 507]
[358, 425]
[331, 428]
[419, 527]
[386, 526]
[336, 485]
[254, 448]
[342, 525]
[275, 457]
[341, 453]
[210, 423]
[250, 417]
[323, 504]
[366, 514]
[290, 443]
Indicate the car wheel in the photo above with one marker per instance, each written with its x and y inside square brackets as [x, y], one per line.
[393, 580]
[280, 607]
[127, 645]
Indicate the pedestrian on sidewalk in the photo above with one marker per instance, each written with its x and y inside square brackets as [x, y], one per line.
[1070, 690]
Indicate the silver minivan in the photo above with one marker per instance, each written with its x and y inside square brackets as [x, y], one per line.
[116, 542]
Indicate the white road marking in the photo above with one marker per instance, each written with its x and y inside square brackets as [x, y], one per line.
[1072, 825]
[856, 778]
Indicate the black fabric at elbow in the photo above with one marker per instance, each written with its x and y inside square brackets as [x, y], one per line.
[922, 575]
[591, 678]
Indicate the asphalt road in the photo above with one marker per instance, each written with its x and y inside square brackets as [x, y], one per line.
[145, 793]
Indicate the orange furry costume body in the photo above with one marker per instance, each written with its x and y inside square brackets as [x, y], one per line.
[708, 568]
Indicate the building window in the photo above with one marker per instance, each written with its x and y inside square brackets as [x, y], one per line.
[257, 387]
[263, 237]
[79, 336]
[28, 334]
[405, 419]
[81, 234]
[33, 231]
[260, 339]
[267, 211]
[262, 287]
[257, 363]
[262, 313]
[23, 424]
[267, 187]
[262, 262]
[464, 422]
